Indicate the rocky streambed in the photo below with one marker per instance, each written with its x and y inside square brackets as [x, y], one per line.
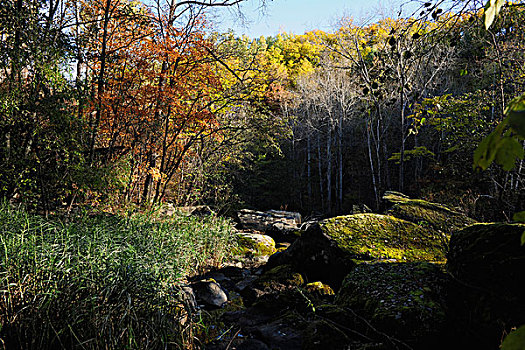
[419, 276]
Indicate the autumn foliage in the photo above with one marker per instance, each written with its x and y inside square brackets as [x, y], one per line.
[155, 91]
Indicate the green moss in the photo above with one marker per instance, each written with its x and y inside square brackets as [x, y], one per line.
[319, 288]
[437, 216]
[254, 244]
[375, 236]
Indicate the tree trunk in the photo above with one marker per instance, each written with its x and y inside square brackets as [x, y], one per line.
[340, 163]
[402, 150]
[372, 167]
[100, 81]
[146, 193]
[309, 169]
[320, 168]
[329, 170]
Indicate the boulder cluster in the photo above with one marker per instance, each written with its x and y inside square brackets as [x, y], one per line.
[419, 276]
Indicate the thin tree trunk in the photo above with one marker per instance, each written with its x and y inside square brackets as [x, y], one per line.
[375, 138]
[309, 169]
[340, 163]
[329, 170]
[100, 82]
[372, 168]
[403, 122]
[320, 168]
[80, 61]
[388, 180]
[146, 194]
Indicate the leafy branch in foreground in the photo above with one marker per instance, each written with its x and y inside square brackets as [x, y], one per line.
[503, 145]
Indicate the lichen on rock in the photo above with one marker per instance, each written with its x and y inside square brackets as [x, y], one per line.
[329, 250]
[284, 275]
[376, 236]
[272, 284]
[255, 244]
[436, 216]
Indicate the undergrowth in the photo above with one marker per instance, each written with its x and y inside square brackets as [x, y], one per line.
[101, 281]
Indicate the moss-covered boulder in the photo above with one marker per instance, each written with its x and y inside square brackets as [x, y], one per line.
[327, 251]
[435, 215]
[254, 244]
[375, 236]
[403, 300]
[487, 262]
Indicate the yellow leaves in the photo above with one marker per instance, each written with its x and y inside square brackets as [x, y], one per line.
[155, 174]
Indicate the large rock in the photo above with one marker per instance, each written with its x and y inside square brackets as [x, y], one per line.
[210, 293]
[487, 262]
[437, 216]
[326, 251]
[255, 244]
[403, 300]
[269, 220]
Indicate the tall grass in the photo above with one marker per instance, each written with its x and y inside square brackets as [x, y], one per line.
[100, 282]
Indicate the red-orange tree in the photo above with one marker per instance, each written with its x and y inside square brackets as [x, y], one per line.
[155, 92]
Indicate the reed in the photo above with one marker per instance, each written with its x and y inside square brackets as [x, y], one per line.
[101, 281]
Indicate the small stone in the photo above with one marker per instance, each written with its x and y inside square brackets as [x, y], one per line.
[210, 292]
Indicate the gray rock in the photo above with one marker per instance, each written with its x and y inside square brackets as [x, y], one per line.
[210, 293]
[327, 251]
[272, 219]
[360, 209]
[280, 334]
[188, 299]
[248, 281]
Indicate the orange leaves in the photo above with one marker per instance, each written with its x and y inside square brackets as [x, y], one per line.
[159, 84]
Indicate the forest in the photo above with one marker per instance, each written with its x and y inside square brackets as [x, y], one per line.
[112, 109]
[120, 103]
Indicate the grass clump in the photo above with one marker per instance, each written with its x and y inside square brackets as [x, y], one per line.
[101, 281]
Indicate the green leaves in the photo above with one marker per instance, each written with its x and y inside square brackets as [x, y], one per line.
[515, 340]
[492, 9]
[517, 121]
[520, 216]
[503, 145]
[509, 149]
